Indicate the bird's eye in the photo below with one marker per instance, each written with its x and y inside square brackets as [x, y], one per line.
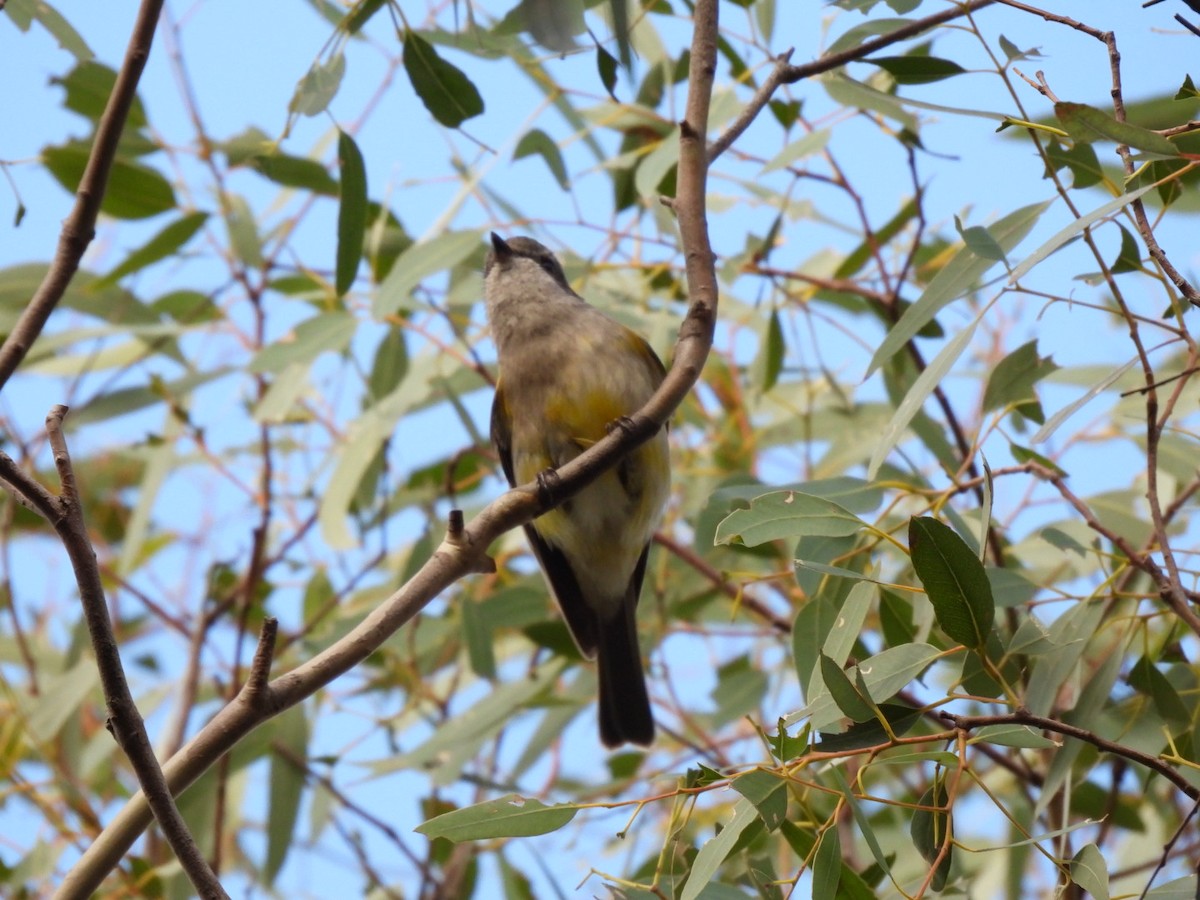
[547, 264]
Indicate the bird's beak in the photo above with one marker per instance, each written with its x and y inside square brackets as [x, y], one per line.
[503, 251]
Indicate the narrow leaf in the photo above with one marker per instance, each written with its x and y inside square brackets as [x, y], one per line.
[287, 784]
[352, 212]
[505, 817]
[920, 391]
[931, 831]
[714, 851]
[1085, 123]
[954, 580]
[958, 276]
[1026, 265]
[162, 245]
[917, 69]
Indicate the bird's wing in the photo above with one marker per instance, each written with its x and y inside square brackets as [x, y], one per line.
[580, 619]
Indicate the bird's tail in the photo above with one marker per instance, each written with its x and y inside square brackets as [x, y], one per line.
[624, 704]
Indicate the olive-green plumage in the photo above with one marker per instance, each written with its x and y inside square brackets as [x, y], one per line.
[567, 372]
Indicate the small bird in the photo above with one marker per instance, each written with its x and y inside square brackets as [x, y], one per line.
[567, 373]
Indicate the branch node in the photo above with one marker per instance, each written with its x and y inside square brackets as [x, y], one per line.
[264, 653]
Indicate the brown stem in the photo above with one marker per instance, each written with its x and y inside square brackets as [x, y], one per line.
[1025, 717]
[80, 226]
[124, 719]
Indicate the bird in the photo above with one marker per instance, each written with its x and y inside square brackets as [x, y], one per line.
[566, 373]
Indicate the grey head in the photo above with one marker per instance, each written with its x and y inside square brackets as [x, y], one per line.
[505, 252]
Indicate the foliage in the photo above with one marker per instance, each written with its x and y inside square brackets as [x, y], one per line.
[926, 578]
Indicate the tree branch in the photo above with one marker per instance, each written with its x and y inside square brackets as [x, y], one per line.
[785, 73]
[80, 226]
[460, 553]
[124, 718]
[1025, 717]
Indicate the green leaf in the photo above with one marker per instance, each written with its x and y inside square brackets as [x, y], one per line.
[456, 742]
[865, 252]
[1011, 382]
[786, 514]
[134, 191]
[773, 351]
[1080, 158]
[390, 365]
[1066, 234]
[1024, 454]
[447, 93]
[540, 143]
[1074, 406]
[768, 792]
[845, 695]
[1145, 678]
[287, 782]
[505, 817]
[307, 341]
[316, 90]
[417, 263]
[714, 851]
[1014, 736]
[1013, 53]
[884, 674]
[1187, 90]
[1090, 872]
[553, 23]
[931, 831]
[606, 65]
[827, 864]
[871, 733]
[837, 641]
[1085, 123]
[979, 242]
[917, 69]
[243, 231]
[24, 11]
[352, 212]
[954, 580]
[385, 240]
[361, 14]
[925, 384]
[58, 700]
[1130, 257]
[294, 172]
[739, 690]
[88, 87]
[162, 245]
[809, 144]
[850, 93]
[477, 636]
[957, 277]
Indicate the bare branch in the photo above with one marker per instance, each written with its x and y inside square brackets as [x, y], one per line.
[80, 226]
[124, 718]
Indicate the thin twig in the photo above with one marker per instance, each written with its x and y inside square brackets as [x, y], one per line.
[785, 73]
[1025, 717]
